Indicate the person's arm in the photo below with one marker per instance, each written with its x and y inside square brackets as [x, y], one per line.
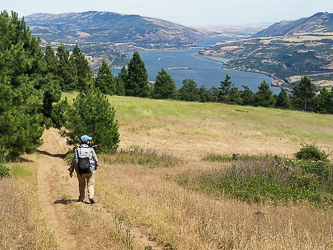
[71, 168]
[94, 156]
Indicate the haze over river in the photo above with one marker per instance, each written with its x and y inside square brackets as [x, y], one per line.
[203, 71]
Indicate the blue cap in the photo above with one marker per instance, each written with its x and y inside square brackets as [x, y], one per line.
[86, 138]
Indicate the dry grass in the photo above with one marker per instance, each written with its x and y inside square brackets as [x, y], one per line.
[181, 218]
[23, 225]
[185, 219]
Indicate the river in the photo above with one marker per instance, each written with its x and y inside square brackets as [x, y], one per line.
[203, 71]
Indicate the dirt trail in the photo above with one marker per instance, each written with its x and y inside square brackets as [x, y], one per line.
[57, 190]
[51, 178]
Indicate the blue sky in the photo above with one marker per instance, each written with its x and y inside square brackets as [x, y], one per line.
[186, 12]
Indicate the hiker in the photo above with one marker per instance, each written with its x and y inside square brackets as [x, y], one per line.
[85, 168]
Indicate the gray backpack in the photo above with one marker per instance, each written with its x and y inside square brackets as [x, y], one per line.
[83, 156]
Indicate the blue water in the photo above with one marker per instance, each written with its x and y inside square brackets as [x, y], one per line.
[203, 71]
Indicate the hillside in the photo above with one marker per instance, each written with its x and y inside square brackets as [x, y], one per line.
[96, 26]
[285, 50]
[318, 23]
[142, 206]
[111, 35]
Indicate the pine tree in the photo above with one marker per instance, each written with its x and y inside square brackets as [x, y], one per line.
[105, 80]
[120, 89]
[59, 115]
[264, 97]
[189, 91]
[247, 96]
[93, 115]
[235, 96]
[67, 73]
[52, 93]
[225, 90]
[20, 102]
[283, 100]
[51, 60]
[165, 87]
[84, 72]
[136, 83]
[302, 93]
[323, 102]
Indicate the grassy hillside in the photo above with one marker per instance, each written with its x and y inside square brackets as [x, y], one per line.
[160, 194]
[218, 128]
[318, 23]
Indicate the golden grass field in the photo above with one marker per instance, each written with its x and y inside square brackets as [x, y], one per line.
[138, 207]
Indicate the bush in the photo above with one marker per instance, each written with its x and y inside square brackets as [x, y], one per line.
[214, 157]
[4, 171]
[311, 152]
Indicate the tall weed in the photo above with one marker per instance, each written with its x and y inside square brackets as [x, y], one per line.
[140, 156]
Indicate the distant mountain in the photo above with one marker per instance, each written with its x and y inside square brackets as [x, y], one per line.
[318, 23]
[96, 26]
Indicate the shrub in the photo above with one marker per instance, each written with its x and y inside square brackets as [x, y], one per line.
[311, 152]
[214, 157]
[4, 171]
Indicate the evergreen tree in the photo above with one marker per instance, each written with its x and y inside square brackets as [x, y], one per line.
[189, 91]
[92, 114]
[20, 102]
[247, 96]
[165, 87]
[264, 97]
[84, 72]
[235, 96]
[323, 102]
[214, 94]
[283, 100]
[51, 60]
[59, 114]
[120, 89]
[105, 80]
[204, 94]
[67, 73]
[136, 83]
[225, 90]
[302, 93]
[52, 93]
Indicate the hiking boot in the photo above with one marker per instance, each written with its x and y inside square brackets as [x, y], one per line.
[92, 201]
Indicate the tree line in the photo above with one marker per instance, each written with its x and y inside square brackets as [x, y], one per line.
[133, 81]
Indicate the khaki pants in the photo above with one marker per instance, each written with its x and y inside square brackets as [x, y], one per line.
[90, 180]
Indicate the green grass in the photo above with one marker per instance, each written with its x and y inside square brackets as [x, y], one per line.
[270, 122]
[20, 171]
